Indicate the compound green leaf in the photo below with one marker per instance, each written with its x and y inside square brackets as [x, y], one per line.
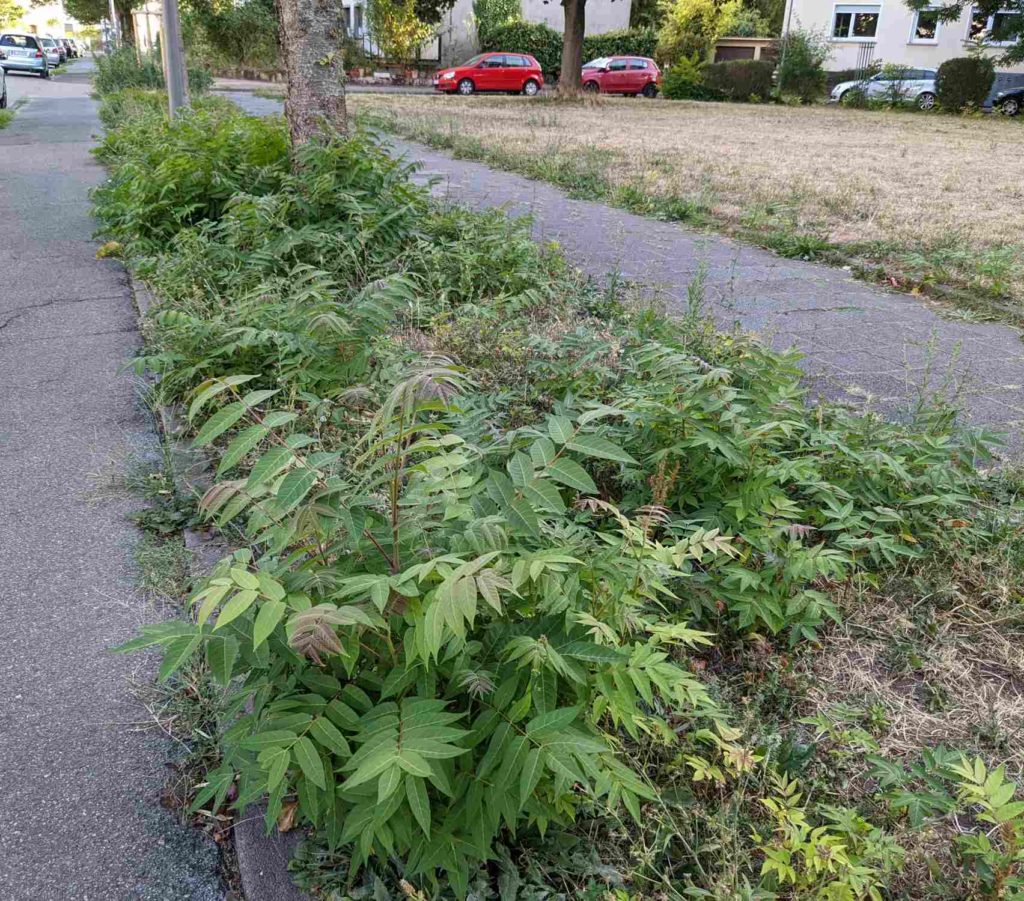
[309, 761]
[239, 603]
[419, 802]
[595, 446]
[221, 653]
[569, 473]
[266, 621]
[219, 423]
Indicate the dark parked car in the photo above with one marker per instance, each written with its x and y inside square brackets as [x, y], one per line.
[1011, 101]
[622, 75]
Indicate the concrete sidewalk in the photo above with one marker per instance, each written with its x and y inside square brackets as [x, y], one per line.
[82, 764]
[861, 344]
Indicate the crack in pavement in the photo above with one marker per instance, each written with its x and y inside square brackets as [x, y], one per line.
[18, 312]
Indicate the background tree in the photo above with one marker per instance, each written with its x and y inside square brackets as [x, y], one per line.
[1005, 16]
[691, 27]
[312, 33]
[429, 12]
[10, 13]
[92, 12]
[396, 29]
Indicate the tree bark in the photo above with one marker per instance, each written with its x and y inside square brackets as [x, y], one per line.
[126, 21]
[312, 32]
[569, 79]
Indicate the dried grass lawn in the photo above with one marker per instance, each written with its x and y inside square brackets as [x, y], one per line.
[937, 200]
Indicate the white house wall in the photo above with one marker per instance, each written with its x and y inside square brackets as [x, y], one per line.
[892, 42]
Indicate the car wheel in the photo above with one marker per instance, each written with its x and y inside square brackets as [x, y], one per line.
[591, 87]
[530, 88]
[1010, 106]
[466, 87]
[650, 91]
[926, 100]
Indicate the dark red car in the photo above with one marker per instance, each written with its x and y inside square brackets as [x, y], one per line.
[622, 75]
[513, 73]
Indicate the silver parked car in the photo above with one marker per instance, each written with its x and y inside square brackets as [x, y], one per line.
[915, 86]
[54, 52]
[24, 53]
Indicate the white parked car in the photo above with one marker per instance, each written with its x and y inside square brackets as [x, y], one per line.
[916, 86]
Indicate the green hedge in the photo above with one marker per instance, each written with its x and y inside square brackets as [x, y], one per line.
[545, 44]
[964, 82]
[739, 79]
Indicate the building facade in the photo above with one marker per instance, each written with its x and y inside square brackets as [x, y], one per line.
[863, 33]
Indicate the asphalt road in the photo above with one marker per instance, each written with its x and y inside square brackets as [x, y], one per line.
[82, 767]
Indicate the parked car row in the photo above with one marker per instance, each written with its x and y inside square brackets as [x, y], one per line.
[918, 86]
[35, 53]
[520, 73]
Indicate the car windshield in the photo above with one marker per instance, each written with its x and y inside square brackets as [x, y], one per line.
[598, 63]
[472, 62]
[47, 42]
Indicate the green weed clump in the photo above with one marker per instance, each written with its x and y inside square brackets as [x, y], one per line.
[494, 522]
[127, 68]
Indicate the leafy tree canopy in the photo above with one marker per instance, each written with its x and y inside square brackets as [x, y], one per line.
[10, 13]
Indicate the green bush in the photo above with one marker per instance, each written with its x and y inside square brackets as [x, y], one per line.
[801, 72]
[545, 44]
[624, 42]
[541, 41]
[964, 82]
[685, 81]
[235, 35]
[740, 80]
[124, 69]
[488, 511]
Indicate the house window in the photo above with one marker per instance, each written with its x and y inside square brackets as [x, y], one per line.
[357, 28]
[1001, 27]
[855, 23]
[926, 26]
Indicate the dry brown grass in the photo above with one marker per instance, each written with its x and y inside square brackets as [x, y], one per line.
[909, 184]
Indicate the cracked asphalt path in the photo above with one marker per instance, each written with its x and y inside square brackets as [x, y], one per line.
[861, 344]
[82, 765]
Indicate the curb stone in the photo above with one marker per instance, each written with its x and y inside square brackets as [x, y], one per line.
[262, 859]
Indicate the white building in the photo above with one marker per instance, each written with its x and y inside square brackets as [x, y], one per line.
[49, 19]
[456, 35]
[888, 31]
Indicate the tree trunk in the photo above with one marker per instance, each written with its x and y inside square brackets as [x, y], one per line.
[312, 32]
[569, 80]
[126, 22]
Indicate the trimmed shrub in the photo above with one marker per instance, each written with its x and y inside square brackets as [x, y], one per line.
[802, 65]
[542, 42]
[545, 44]
[624, 42]
[964, 82]
[740, 79]
[684, 81]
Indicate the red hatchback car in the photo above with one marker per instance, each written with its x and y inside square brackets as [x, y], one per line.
[622, 75]
[513, 73]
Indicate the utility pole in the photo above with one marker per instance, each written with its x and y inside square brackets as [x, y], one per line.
[175, 74]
